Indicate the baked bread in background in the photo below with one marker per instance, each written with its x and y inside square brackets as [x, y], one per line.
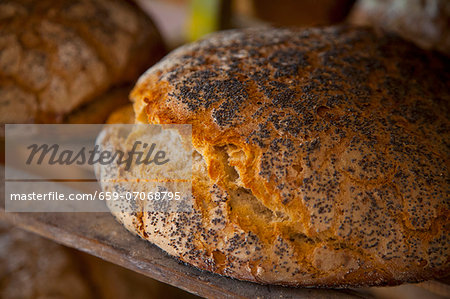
[34, 267]
[98, 110]
[122, 115]
[57, 55]
[425, 22]
[321, 157]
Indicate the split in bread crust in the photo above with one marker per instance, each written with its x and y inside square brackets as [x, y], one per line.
[321, 156]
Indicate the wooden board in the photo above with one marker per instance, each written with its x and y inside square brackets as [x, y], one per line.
[100, 235]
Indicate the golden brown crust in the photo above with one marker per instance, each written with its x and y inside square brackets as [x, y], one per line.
[122, 115]
[322, 156]
[99, 110]
[57, 55]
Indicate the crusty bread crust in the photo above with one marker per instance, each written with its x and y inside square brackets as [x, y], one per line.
[122, 115]
[98, 110]
[321, 156]
[57, 55]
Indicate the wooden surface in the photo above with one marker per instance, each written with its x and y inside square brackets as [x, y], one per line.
[100, 235]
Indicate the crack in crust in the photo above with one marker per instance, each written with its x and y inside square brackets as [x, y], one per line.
[307, 170]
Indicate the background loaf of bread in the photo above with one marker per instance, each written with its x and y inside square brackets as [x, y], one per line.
[57, 55]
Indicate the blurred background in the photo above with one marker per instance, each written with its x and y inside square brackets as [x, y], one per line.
[29, 265]
[182, 21]
[424, 22]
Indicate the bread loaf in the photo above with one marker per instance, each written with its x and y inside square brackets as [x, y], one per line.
[424, 22]
[98, 110]
[31, 266]
[122, 115]
[34, 267]
[57, 55]
[321, 157]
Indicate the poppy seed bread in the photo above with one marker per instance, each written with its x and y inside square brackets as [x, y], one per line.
[321, 156]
